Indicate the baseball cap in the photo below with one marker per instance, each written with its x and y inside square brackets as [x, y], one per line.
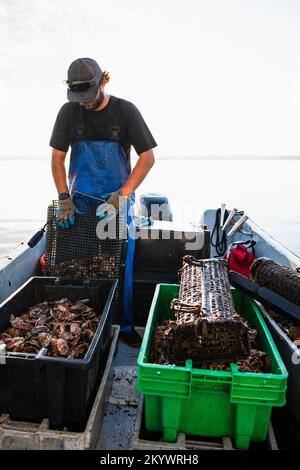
[84, 77]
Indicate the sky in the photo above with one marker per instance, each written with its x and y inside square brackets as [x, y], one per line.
[210, 77]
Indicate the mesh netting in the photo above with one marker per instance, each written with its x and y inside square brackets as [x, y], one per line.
[78, 253]
[207, 325]
[205, 289]
[280, 279]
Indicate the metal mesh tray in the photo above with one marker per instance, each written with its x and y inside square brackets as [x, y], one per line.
[78, 253]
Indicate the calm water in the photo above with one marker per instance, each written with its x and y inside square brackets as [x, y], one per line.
[266, 190]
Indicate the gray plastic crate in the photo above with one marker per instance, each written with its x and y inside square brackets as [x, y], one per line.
[287, 350]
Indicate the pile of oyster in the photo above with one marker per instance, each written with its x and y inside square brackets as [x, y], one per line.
[290, 328]
[164, 351]
[98, 266]
[64, 328]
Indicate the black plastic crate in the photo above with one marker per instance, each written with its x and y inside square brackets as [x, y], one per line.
[143, 292]
[33, 387]
[159, 248]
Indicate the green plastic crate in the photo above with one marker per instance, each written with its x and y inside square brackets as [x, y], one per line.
[205, 402]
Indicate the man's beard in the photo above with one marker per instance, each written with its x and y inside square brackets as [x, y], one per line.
[95, 104]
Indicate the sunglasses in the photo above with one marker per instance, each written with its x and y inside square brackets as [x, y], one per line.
[81, 86]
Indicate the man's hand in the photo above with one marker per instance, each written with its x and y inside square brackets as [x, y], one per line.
[66, 213]
[116, 200]
[109, 209]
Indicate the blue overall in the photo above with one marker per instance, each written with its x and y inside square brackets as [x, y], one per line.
[99, 167]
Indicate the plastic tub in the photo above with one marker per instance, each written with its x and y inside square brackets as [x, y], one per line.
[205, 402]
[33, 387]
[290, 354]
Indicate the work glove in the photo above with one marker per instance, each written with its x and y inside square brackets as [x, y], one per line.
[142, 221]
[114, 202]
[66, 213]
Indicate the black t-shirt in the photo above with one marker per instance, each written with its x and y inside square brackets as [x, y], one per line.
[119, 120]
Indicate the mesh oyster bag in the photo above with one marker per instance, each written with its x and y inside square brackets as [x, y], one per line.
[280, 279]
[207, 326]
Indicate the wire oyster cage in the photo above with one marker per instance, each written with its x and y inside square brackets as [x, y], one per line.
[283, 280]
[80, 253]
[207, 325]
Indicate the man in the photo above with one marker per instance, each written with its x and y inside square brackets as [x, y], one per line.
[101, 130]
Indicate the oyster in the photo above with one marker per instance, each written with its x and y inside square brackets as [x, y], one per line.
[65, 328]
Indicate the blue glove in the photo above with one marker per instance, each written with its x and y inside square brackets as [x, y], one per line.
[66, 213]
[142, 221]
[109, 209]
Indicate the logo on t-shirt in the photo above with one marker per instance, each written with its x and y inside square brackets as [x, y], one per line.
[115, 131]
[79, 131]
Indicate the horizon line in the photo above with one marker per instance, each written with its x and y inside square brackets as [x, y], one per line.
[174, 157]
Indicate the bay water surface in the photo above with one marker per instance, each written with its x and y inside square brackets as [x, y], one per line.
[267, 190]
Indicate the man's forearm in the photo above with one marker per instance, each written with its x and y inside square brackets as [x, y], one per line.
[139, 173]
[59, 171]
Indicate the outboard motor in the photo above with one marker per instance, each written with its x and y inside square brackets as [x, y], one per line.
[156, 206]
